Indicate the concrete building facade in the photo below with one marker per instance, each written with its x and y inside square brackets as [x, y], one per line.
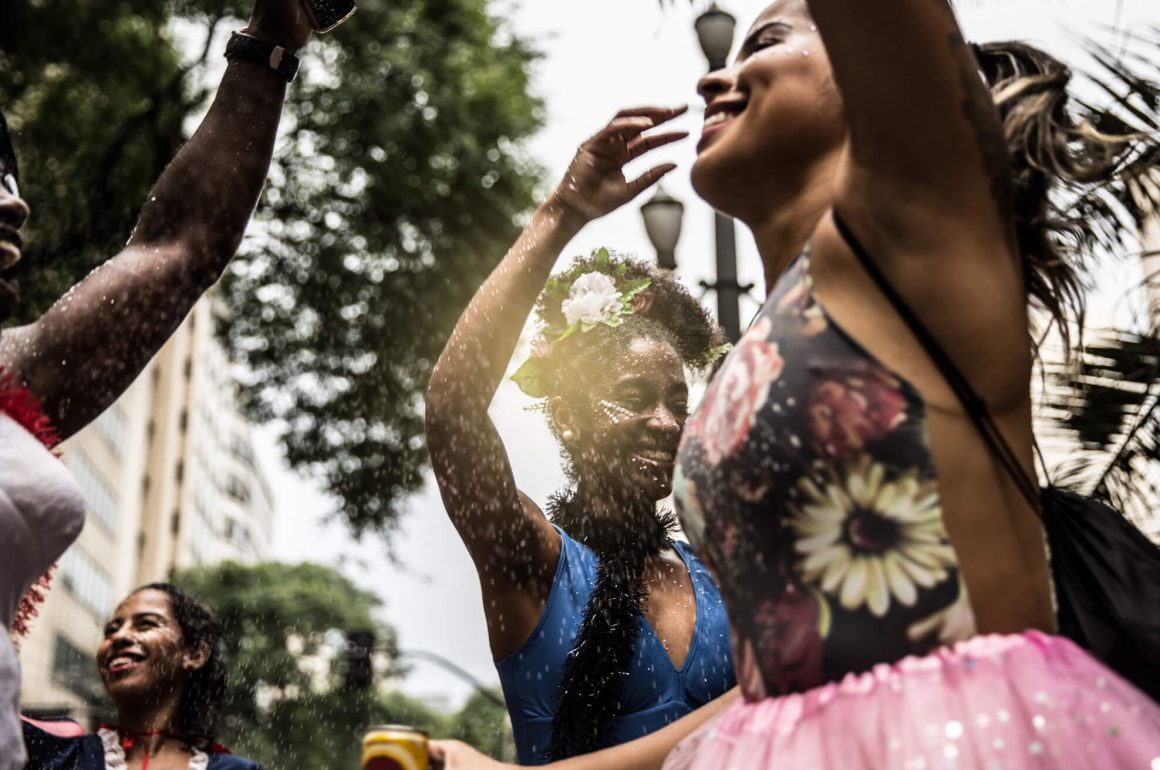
[170, 479]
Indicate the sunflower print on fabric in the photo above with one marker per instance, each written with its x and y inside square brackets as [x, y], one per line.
[806, 480]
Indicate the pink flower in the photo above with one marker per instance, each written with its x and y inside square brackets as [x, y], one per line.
[789, 645]
[738, 392]
[848, 412]
[642, 302]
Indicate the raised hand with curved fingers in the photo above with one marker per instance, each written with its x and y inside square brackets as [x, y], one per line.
[282, 22]
[514, 547]
[594, 184]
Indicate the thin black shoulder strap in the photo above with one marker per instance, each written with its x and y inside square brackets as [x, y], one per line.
[974, 406]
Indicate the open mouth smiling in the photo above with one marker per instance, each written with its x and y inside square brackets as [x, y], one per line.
[656, 457]
[718, 115]
[123, 662]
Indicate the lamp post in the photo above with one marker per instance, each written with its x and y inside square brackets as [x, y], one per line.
[715, 34]
[662, 215]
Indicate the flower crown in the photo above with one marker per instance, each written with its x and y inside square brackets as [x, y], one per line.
[589, 297]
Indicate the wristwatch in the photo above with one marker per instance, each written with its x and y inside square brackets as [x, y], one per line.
[277, 58]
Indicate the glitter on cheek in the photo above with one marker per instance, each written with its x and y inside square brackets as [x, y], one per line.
[615, 412]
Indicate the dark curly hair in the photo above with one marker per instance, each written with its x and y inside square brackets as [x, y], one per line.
[201, 703]
[674, 316]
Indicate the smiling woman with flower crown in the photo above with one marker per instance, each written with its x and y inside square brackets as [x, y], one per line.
[602, 627]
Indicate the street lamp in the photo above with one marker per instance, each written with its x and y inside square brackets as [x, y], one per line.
[715, 34]
[662, 215]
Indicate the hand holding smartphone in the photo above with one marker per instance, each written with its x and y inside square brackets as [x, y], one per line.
[325, 15]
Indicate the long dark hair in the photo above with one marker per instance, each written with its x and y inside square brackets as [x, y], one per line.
[201, 703]
[1054, 151]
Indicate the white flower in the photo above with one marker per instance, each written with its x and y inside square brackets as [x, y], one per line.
[592, 299]
[868, 540]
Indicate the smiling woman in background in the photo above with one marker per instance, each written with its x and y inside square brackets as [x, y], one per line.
[601, 576]
[162, 662]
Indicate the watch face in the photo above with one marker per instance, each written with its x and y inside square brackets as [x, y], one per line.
[328, 14]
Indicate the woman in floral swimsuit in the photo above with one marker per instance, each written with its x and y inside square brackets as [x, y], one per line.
[887, 583]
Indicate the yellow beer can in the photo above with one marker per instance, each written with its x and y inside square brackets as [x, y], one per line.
[394, 747]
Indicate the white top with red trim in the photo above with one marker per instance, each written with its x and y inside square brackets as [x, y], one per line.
[41, 514]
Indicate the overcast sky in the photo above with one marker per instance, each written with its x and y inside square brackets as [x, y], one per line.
[600, 56]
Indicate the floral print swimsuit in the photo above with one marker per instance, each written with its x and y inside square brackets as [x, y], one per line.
[806, 481]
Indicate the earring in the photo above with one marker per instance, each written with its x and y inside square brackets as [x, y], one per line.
[568, 436]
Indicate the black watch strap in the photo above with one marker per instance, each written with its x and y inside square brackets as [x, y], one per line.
[277, 58]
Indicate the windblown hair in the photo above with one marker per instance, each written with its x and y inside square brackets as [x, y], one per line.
[1053, 152]
[201, 703]
[674, 316]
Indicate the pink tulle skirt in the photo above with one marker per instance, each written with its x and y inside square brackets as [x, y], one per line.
[990, 703]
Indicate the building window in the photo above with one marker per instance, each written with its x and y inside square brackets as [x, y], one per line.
[237, 534]
[241, 449]
[73, 668]
[87, 581]
[110, 426]
[237, 489]
[98, 493]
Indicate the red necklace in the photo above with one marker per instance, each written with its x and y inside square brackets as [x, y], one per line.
[129, 736]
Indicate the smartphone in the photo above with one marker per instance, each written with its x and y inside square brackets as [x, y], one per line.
[325, 15]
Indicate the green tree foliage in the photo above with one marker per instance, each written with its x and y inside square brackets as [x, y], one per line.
[286, 705]
[482, 722]
[283, 628]
[398, 195]
[395, 191]
[96, 96]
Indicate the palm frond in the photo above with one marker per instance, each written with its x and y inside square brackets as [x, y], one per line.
[1117, 92]
[1104, 407]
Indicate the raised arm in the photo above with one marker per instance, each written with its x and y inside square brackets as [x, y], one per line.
[507, 536]
[925, 136]
[88, 347]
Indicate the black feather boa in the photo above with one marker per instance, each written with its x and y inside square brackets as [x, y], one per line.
[592, 690]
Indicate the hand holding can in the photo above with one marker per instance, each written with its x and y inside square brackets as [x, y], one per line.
[394, 747]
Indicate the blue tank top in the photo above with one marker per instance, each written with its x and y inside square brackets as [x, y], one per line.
[655, 692]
